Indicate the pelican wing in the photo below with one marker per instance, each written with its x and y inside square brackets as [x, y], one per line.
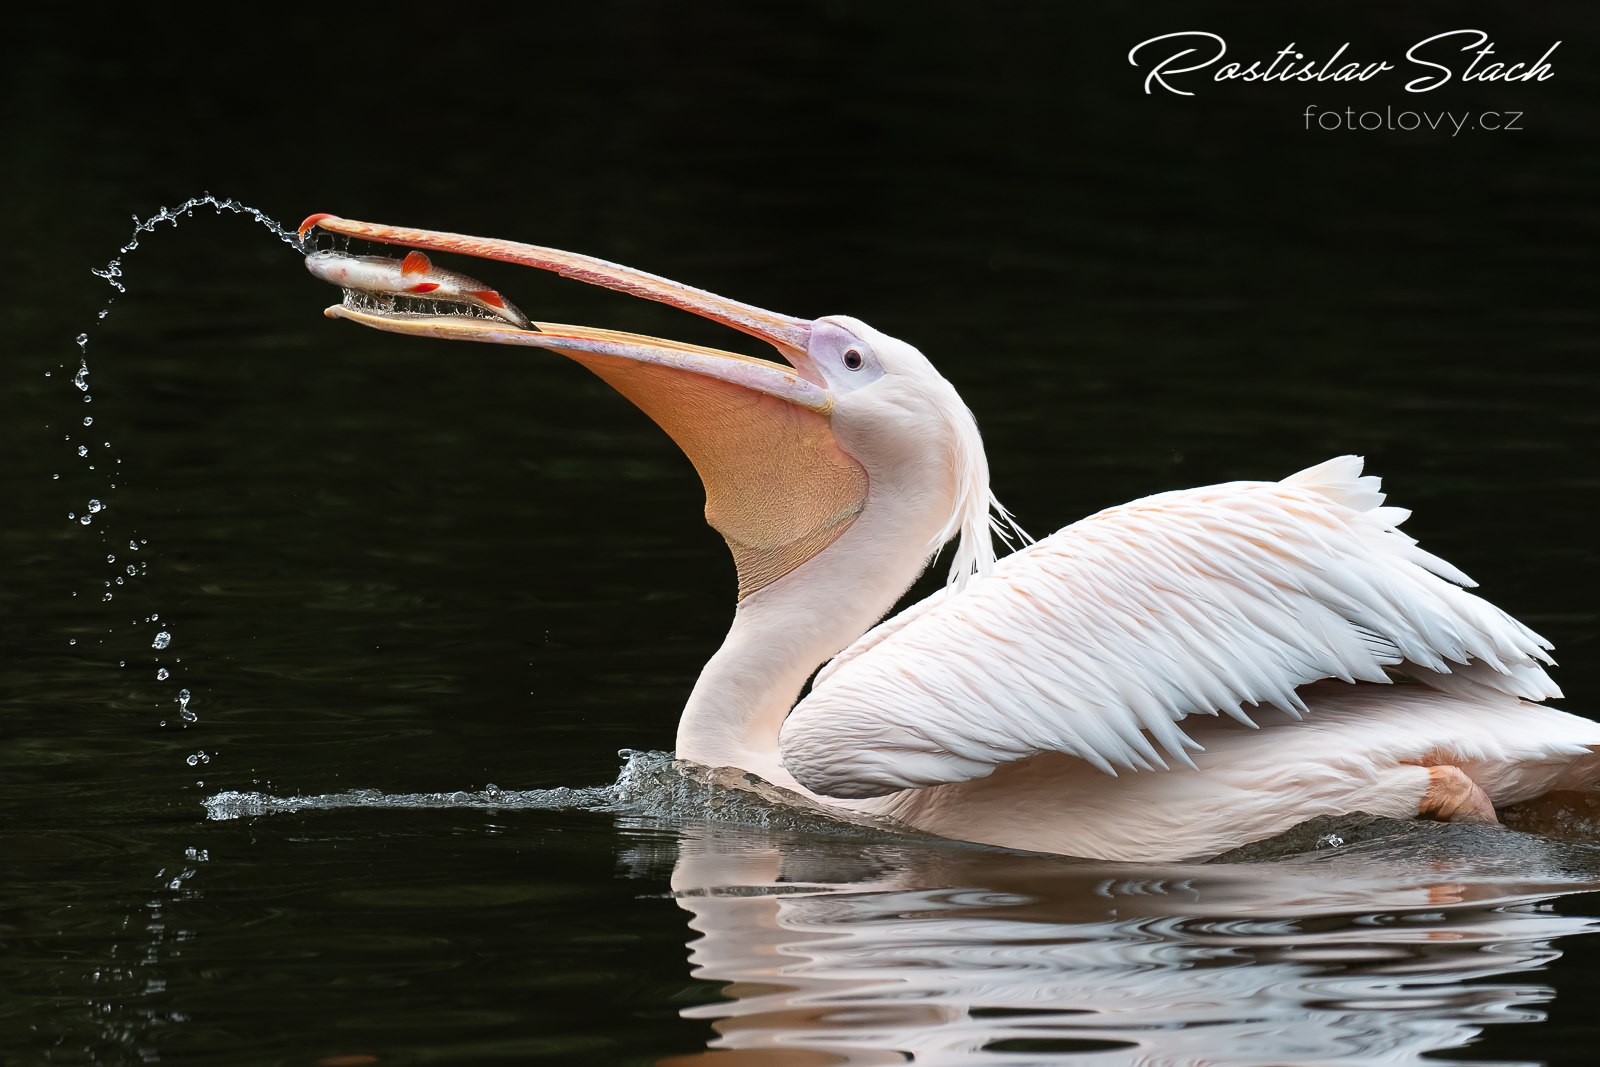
[1099, 639]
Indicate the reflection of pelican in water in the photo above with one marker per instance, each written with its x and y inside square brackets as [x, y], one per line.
[1001, 709]
[1355, 957]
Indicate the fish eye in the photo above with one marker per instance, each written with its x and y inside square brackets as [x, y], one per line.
[852, 358]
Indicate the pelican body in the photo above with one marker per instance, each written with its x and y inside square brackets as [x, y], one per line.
[1164, 680]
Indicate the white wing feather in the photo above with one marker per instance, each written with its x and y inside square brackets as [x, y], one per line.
[1098, 639]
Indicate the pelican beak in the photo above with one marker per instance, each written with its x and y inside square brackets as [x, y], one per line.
[753, 428]
[789, 335]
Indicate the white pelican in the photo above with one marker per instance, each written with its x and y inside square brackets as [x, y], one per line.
[1098, 693]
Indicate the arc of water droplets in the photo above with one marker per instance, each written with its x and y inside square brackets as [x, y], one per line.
[112, 274]
[112, 271]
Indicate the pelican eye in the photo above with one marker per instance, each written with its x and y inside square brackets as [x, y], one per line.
[852, 358]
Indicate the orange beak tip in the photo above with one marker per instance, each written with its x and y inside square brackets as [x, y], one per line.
[312, 220]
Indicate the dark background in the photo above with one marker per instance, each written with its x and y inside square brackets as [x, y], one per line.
[407, 566]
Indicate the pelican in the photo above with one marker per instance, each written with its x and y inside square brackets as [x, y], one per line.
[1163, 680]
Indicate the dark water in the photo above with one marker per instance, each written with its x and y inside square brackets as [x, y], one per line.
[392, 565]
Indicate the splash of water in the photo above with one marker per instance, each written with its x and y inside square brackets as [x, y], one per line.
[647, 778]
[651, 787]
[237, 805]
[112, 271]
[156, 941]
[94, 515]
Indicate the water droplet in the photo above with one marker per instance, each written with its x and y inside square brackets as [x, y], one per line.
[88, 420]
[162, 675]
[83, 450]
[111, 559]
[55, 477]
[132, 570]
[163, 639]
[72, 640]
[122, 663]
[87, 399]
[81, 378]
[85, 520]
[189, 716]
[105, 598]
[72, 514]
[133, 546]
[183, 698]
[95, 505]
[119, 579]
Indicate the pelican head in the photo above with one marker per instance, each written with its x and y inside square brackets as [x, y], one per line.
[792, 456]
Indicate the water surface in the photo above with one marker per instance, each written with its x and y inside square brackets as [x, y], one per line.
[427, 570]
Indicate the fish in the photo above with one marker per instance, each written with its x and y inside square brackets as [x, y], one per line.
[416, 276]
